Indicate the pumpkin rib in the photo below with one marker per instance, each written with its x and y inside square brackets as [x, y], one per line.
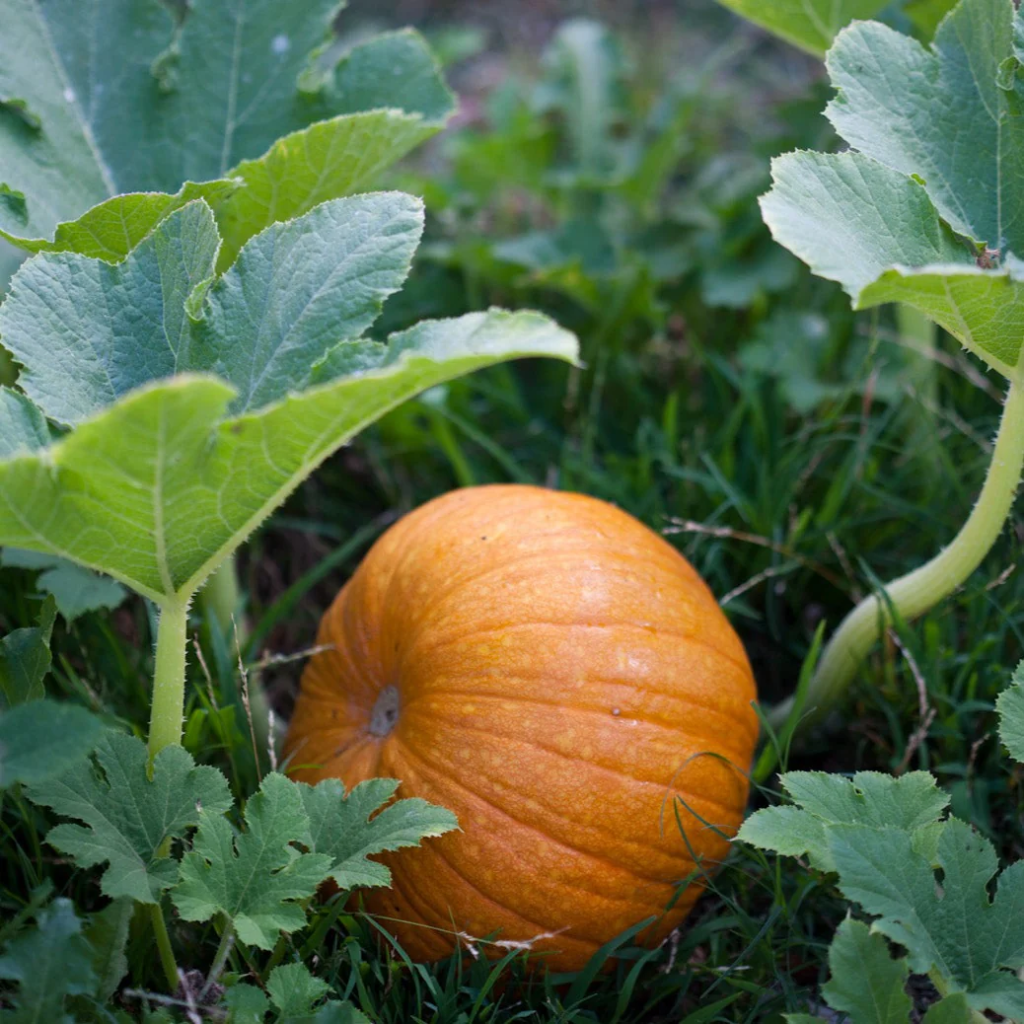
[575, 850]
[436, 605]
[667, 787]
[689, 638]
[437, 851]
[602, 711]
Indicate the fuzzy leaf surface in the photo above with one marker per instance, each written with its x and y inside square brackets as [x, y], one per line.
[255, 877]
[912, 804]
[866, 983]
[198, 102]
[342, 827]
[23, 426]
[972, 940]
[935, 176]
[43, 739]
[126, 818]
[49, 962]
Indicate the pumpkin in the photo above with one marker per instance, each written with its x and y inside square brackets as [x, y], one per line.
[561, 678]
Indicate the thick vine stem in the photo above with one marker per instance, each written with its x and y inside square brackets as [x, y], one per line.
[169, 678]
[915, 593]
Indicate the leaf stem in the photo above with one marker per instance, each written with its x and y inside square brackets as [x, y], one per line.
[163, 944]
[922, 589]
[220, 959]
[169, 677]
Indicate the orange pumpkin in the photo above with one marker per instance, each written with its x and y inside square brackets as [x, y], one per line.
[558, 675]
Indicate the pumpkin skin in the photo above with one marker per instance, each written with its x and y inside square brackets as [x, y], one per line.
[555, 673]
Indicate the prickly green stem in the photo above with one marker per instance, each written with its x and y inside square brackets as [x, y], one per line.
[169, 677]
[922, 589]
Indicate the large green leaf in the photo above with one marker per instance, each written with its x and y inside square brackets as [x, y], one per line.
[22, 425]
[129, 818]
[157, 489]
[929, 208]
[911, 803]
[198, 103]
[973, 941]
[88, 333]
[809, 24]
[254, 878]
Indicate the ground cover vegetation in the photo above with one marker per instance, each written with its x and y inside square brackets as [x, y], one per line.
[288, 239]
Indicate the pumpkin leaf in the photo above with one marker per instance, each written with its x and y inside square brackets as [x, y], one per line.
[390, 96]
[349, 829]
[254, 877]
[200, 481]
[49, 962]
[905, 216]
[809, 24]
[43, 739]
[23, 426]
[912, 803]
[128, 817]
[180, 106]
[25, 658]
[294, 991]
[972, 940]
[867, 984]
[76, 590]
[1010, 706]
[211, 458]
[107, 933]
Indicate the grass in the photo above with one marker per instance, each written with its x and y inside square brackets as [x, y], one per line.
[787, 510]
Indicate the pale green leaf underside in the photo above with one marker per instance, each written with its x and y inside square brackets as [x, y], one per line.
[809, 24]
[938, 171]
[1010, 706]
[199, 104]
[159, 488]
[866, 982]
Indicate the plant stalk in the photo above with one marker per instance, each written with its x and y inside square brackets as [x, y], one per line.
[163, 945]
[922, 589]
[169, 678]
